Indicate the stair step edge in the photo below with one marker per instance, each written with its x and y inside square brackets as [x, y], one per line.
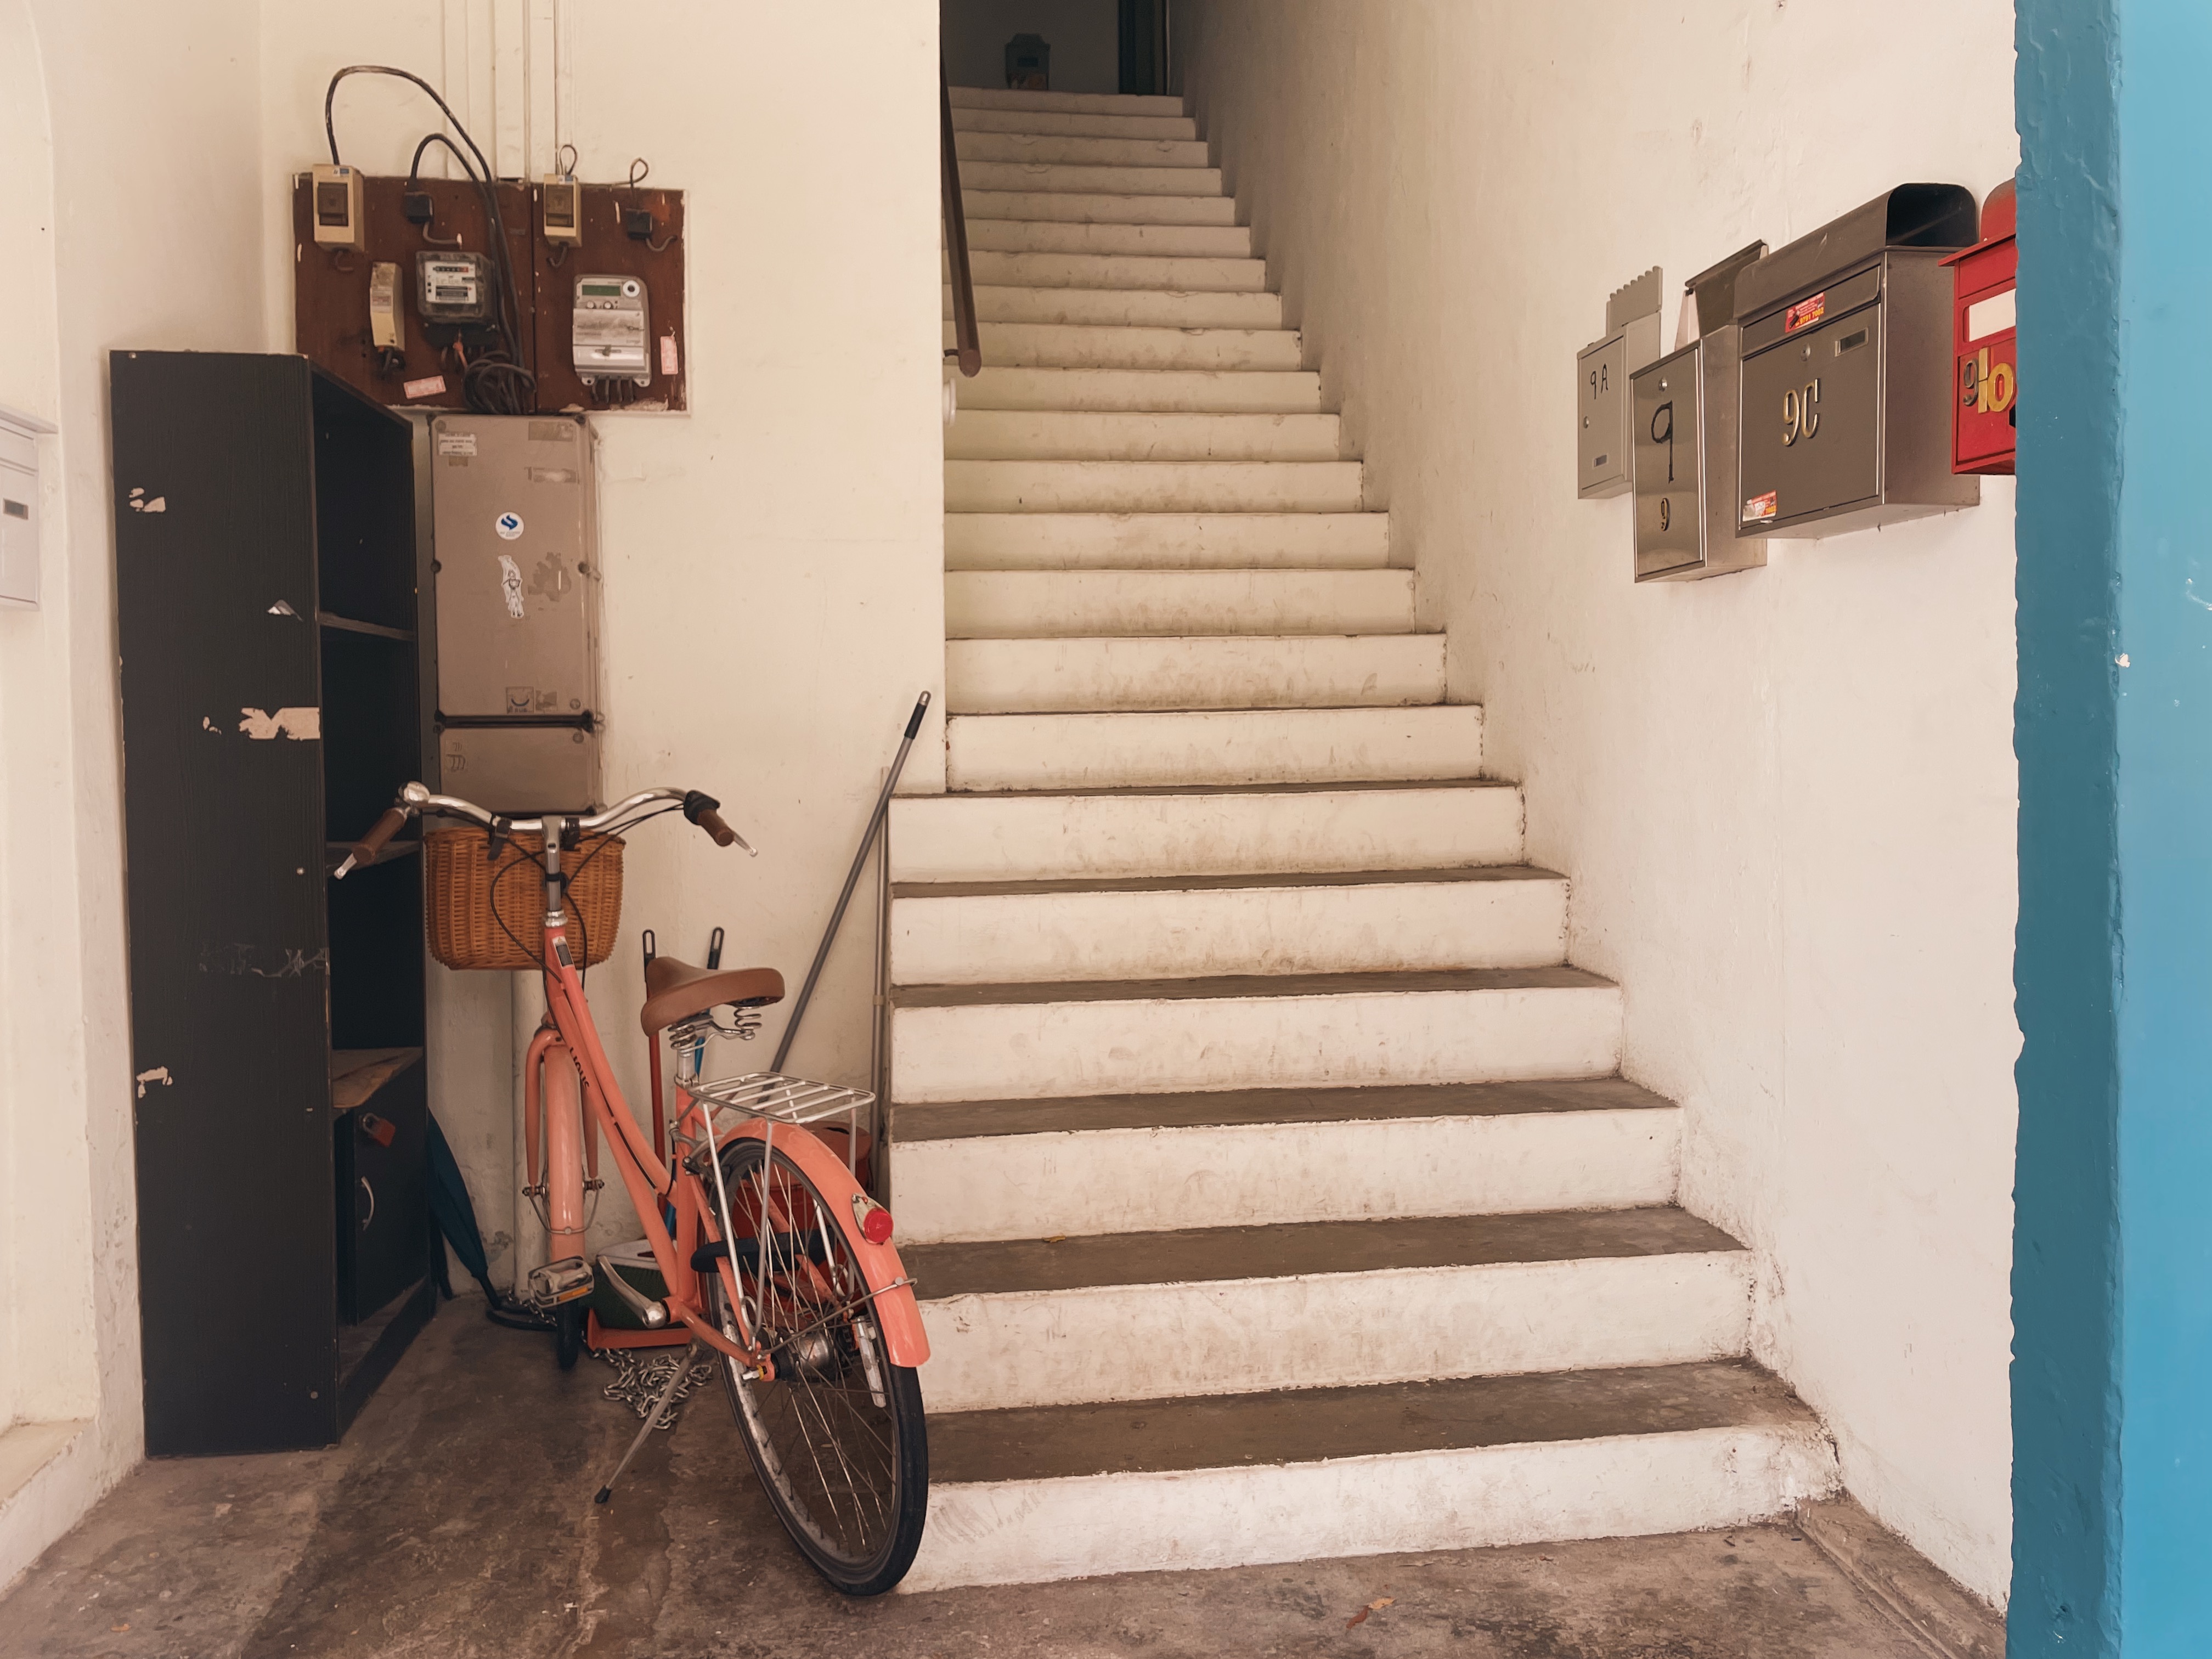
[920, 1122]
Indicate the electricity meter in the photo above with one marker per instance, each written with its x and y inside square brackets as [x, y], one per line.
[611, 331]
[453, 288]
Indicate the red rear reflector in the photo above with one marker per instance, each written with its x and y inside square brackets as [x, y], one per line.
[875, 1220]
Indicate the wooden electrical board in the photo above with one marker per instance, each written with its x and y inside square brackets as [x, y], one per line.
[330, 290]
[609, 248]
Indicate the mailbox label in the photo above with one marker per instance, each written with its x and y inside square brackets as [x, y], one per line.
[1758, 508]
[1805, 313]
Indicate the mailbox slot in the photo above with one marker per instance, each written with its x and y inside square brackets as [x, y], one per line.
[1845, 386]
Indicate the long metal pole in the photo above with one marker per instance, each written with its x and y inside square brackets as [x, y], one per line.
[852, 880]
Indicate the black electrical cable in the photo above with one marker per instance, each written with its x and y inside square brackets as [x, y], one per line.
[489, 386]
[414, 167]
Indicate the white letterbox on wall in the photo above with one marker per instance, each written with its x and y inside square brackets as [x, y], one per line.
[19, 507]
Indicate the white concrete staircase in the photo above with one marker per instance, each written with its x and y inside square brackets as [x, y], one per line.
[1261, 1161]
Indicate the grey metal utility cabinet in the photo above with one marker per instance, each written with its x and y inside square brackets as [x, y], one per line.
[1684, 433]
[1601, 372]
[1846, 382]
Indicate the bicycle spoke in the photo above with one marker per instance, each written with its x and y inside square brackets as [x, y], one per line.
[824, 1435]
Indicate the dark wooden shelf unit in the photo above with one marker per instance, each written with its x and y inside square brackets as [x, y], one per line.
[268, 616]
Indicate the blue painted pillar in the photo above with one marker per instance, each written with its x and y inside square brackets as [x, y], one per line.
[2112, 1242]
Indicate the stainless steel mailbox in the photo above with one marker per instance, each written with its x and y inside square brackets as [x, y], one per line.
[1683, 431]
[1602, 429]
[518, 605]
[1844, 408]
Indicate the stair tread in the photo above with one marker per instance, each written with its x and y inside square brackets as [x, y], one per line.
[1217, 789]
[1217, 1254]
[970, 1119]
[1216, 883]
[1249, 985]
[1306, 1426]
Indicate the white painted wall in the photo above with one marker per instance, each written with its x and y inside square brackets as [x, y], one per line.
[773, 559]
[1785, 797]
[1084, 36]
[175, 121]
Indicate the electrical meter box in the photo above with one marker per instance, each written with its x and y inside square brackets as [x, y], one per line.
[1684, 435]
[1601, 371]
[1845, 403]
[613, 325]
[514, 514]
[19, 508]
[454, 288]
[1985, 341]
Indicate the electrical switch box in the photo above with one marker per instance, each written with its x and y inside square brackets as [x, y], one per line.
[338, 208]
[1602, 368]
[561, 209]
[1846, 388]
[514, 514]
[19, 508]
[1684, 438]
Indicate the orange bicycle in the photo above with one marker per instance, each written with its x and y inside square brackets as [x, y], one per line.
[774, 1256]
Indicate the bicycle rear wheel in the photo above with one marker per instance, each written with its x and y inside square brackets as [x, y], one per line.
[837, 1436]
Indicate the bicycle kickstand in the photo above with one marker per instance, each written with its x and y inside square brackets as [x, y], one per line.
[682, 1369]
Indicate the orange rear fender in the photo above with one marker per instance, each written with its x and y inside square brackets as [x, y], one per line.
[897, 1315]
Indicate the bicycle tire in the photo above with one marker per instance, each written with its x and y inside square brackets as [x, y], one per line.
[827, 1396]
[569, 1333]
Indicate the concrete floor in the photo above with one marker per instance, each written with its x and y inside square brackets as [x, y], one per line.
[457, 1520]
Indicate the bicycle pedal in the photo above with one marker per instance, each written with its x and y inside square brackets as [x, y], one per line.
[561, 1281]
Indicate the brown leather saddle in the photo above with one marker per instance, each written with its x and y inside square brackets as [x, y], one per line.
[676, 990]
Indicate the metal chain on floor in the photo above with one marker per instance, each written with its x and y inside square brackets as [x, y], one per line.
[642, 1373]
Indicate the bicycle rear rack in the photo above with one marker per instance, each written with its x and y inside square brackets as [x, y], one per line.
[795, 1100]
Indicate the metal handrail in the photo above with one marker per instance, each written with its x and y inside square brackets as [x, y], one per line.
[968, 349]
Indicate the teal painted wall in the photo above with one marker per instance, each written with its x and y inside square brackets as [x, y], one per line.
[2112, 1259]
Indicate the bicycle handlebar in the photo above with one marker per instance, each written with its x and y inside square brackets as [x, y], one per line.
[414, 798]
[366, 849]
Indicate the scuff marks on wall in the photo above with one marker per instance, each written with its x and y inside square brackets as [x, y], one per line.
[139, 504]
[159, 1074]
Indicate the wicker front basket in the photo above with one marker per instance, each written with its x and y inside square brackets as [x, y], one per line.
[459, 882]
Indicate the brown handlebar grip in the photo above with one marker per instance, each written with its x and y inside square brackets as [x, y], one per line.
[711, 822]
[366, 849]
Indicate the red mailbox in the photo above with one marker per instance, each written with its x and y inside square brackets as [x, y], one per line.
[1985, 402]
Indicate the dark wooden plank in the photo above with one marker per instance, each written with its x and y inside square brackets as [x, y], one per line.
[216, 592]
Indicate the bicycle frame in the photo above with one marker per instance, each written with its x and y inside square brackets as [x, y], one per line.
[701, 1215]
